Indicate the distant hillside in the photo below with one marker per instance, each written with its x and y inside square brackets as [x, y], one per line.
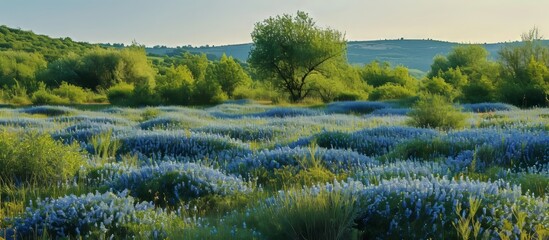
[50, 48]
[414, 54]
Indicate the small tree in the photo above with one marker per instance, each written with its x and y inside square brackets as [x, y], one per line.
[175, 87]
[434, 111]
[525, 72]
[289, 49]
[229, 74]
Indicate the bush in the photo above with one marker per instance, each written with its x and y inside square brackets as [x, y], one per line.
[391, 91]
[43, 97]
[436, 112]
[350, 96]
[316, 213]
[120, 94]
[74, 94]
[37, 158]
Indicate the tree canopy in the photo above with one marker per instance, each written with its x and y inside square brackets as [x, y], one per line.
[290, 49]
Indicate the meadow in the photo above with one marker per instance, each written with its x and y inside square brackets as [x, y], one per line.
[241, 170]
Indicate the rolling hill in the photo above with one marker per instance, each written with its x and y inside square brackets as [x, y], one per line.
[414, 54]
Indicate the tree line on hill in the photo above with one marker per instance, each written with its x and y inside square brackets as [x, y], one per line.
[291, 60]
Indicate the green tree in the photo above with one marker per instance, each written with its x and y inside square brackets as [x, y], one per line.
[391, 91]
[289, 49]
[208, 90]
[197, 64]
[479, 91]
[438, 86]
[102, 68]
[229, 74]
[468, 71]
[20, 69]
[378, 74]
[175, 87]
[341, 82]
[525, 78]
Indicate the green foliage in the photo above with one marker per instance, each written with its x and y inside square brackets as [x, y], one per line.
[104, 146]
[16, 95]
[20, 68]
[534, 183]
[468, 224]
[467, 57]
[175, 86]
[482, 90]
[208, 91]
[74, 94]
[288, 49]
[391, 91]
[341, 82]
[229, 75]
[150, 113]
[259, 90]
[100, 68]
[377, 75]
[438, 86]
[120, 94]
[197, 64]
[50, 48]
[300, 215]
[45, 97]
[525, 72]
[37, 158]
[467, 70]
[435, 111]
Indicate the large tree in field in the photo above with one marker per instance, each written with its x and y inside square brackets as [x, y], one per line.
[289, 49]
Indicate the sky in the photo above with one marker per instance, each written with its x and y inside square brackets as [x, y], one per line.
[222, 22]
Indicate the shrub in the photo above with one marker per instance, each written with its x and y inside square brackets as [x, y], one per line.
[43, 97]
[436, 112]
[120, 94]
[350, 96]
[391, 91]
[149, 113]
[317, 213]
[37, 158]
[74, 94]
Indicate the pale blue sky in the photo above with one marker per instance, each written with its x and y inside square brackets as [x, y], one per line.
[219, 22]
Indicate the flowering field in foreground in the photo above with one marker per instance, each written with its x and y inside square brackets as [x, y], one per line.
[350, 170]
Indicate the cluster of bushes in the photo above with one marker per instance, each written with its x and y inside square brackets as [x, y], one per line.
[36, 158]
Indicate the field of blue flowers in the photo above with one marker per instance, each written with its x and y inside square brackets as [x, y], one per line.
[349, 170]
